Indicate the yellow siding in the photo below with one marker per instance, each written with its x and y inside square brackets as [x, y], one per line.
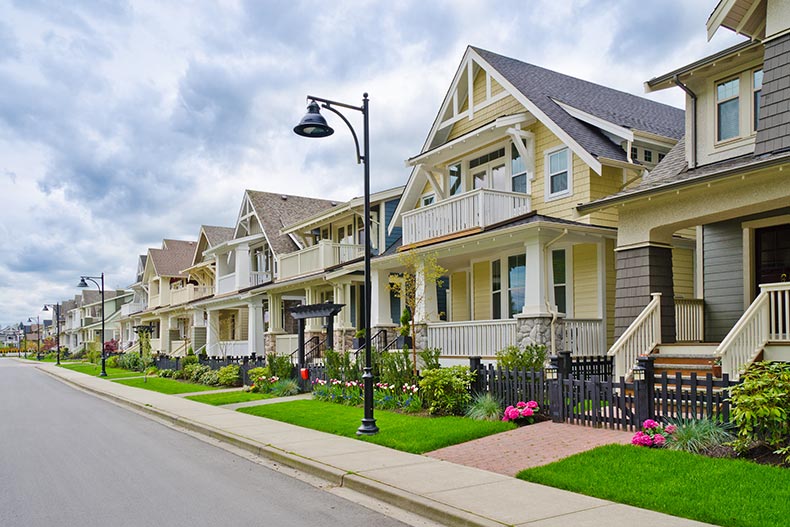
[585, 281]
[608, 183]
[243, 325]
[611, 275]
[482, 290]
[459, 296]
[496, 88]
[683, 272]
[506, 106]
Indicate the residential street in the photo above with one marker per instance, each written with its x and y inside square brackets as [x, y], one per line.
[71, 459]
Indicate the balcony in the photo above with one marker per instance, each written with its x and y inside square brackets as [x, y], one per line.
[132, 308]
[226, 284]
[317, 258]
[260, 277]
[188, 293]
[469, 211]
[153, 300]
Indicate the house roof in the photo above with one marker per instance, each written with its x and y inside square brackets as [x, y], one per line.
[174, 256]
[545, 88]
[216, 235]
[275, 211]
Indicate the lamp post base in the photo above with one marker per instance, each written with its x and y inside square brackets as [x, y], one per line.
[368, 428]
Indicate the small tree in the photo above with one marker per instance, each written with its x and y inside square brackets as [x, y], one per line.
[421, 270]
[48, 344]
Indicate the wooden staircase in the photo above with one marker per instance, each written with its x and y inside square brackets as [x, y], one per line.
[684, 359]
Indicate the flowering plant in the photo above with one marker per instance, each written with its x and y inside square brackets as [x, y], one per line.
[522, 412]
[385, 396]
[264, 384]
[653, 434]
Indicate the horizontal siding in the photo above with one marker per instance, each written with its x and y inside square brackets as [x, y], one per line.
[482, 290]
[459, 296]
[585, 281]
[683, 272]
[608, 183]
[723, 277]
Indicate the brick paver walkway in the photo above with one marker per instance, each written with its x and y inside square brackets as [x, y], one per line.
[529, 446]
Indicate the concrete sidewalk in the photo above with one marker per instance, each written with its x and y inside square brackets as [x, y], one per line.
[445, 492]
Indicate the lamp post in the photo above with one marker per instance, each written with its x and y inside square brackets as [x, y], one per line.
[24, 337]
[56, 316]
[101, 339]
[313, 124]
[38, 336]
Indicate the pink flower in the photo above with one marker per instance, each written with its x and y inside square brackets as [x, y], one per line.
[649, 423]
[521, 404]
[641, 439]
[511, 413]
[527, 412]
[659, 440]
[532, 404]
[670, 429]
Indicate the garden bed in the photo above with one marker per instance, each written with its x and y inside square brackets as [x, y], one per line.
[168, 386]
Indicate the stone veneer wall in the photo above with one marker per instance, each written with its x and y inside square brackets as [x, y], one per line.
[531, 330]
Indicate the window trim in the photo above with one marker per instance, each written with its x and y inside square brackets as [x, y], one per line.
[755, 120]
[427, 195]
[551, 196]
[716, 102]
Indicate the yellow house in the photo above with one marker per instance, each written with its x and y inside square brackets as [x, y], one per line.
[493, 194]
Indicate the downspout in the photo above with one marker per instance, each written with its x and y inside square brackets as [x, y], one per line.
[549, 306]
[693, 96]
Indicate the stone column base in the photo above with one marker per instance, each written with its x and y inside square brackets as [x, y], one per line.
[532, 330]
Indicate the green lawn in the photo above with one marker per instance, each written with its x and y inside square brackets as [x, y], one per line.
[169, 386]
[95, 369]
[726, 492]
[409, 433]
[217, 399]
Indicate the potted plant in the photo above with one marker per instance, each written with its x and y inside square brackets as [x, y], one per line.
[716, 367]
[359, 339]
[404, 338]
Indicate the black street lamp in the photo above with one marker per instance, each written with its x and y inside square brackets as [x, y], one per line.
[24, 337]
[56, 316]
[101, 339]
[38, 335]
[313, 124]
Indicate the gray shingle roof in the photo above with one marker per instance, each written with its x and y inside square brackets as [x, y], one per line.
[543, 87]
[277, 210]
[216, 235]
[174, 256]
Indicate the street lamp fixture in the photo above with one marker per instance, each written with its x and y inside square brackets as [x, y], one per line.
[313, 124]
[56, 316]
[82, 284]
[38, 335]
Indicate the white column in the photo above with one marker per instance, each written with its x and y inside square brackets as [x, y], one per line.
[601, 246]
[275, 313]
[255, 329]
[311, 297]
[537, 278]
[212, 332]
[242, 266]
[380, 298]
[427, 310]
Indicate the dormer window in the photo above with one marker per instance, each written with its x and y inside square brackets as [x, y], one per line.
[648, 156]
[727, 109]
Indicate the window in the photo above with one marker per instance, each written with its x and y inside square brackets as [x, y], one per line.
[727, 109]
[428, 199]
[518, 171]
[557, 173]
[491, 156]
[757, 88]
[496, 290]
[634, 153]
[454, 177]
[488, 174]
[516, 282]
[660, 156]
[559, 280]
[649, 156]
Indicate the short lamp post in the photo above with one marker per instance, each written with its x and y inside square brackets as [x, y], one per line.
[551, 373]
[100, 286]
[56, 316]
[38, 335]
[313, 124]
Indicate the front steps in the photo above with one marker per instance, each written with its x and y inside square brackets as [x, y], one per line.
[684, 359]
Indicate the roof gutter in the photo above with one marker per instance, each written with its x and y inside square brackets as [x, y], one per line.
[676, 80]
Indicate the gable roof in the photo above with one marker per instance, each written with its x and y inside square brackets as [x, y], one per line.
[274, 211]
[172, 258]
[216, 235]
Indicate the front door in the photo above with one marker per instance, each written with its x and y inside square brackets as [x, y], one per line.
[773, 254]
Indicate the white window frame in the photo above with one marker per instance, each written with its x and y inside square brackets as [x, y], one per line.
[461, 176]
[717, 102]
[755, 110]
[429, 195]
[547, 174]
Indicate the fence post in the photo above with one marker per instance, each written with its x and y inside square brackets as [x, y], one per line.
[650, 383]
[564, 364]
[555, 391]
[474, 365]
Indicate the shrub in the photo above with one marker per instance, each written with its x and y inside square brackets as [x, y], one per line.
[653, 434]
[697, 435]
[484, 407]
[210, 377]
[285, 387]
[166, 373]
[340, 366]
[112, 362]
[430, 358]
[523, 412]
[229, 375]
[761, 407]
[93, 355]
[179, 374]
[191, 358]
[532, 357]
[280, 365]
[395, 367]
[130, 361]
[446, 390]
[256, 373]
[193, 372]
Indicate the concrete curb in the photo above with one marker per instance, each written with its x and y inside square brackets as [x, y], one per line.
[399, 498]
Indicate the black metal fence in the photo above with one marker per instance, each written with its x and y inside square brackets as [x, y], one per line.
[245, 364]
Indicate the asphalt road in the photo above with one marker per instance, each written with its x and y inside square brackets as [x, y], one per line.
[70, 459]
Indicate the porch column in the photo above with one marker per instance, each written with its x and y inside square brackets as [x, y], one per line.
[537, 278]
[242, 266]
[427, 310]
[380, 298]
[166, 323]
[275, 322]
[342, 294]
[313, 325]
[641, 271]
[212, 332]
[255, 329]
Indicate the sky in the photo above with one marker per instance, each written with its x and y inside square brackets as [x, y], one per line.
[126, 122]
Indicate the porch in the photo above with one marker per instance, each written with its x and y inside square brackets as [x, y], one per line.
[188, 293]
[317, 257]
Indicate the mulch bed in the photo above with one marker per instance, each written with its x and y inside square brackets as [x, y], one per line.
[759, 454]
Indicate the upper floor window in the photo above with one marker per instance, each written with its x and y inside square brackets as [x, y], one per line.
[428, 199]
[727, 109]
[454, 177]
[649, 156]
[660, 156]
[757, 87]
[634, 153]
[488, 171]
[558, 173]
[518, 171]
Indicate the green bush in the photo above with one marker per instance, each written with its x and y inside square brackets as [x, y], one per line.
[761, 407]
[280, 365]
[166, 373]
[285, 387]
[340, 366]
[446, 390]
[395, 368]
[193, 372]
[532, 357]
[179, 374]
[229, 375]
[191, 358]
[697, 435]
[93, 355]
[430, 358]
[256, 373]
[112, 362]
[130, 361]
[210, 377]
[485, 407]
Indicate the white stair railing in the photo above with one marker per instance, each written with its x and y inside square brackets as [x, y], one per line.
[766, 319]
[689, 319]
[640, 338]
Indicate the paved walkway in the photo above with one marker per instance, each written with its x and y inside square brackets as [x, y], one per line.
[446, 492]
[530, 446]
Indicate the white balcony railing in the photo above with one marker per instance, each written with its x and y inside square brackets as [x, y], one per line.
[317, 257]
[228, 348]
[188, 293]
[476, 209]
[156, 346]
[286, 344]
[131, 308]
[585, 337]
[260, 277]
[689, 319]
[639, 338]
[474, 337]
[154, 300]
[226, 284]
